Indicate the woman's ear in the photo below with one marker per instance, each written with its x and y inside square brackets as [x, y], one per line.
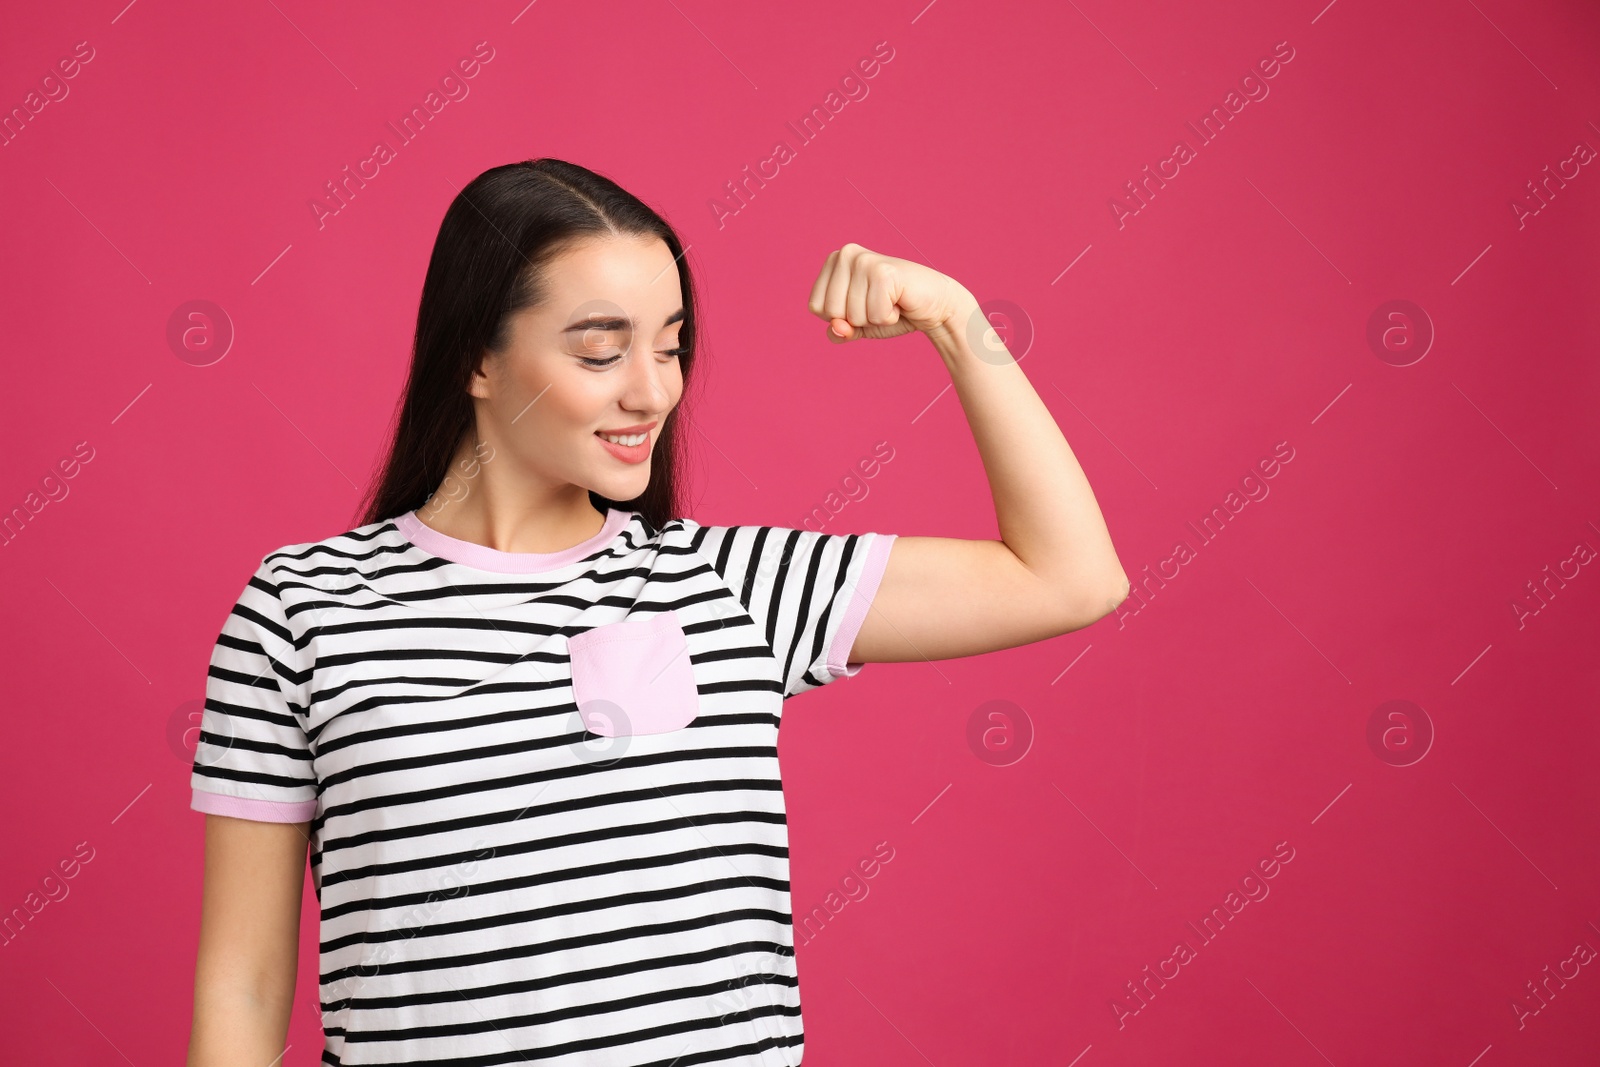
[479, 384]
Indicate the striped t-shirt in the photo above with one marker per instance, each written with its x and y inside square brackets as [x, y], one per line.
[525, 851]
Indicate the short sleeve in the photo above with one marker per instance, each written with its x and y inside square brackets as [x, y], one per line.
[253, 759]
[808, 591]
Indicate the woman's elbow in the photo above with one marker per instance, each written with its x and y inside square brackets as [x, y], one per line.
[1090, 609]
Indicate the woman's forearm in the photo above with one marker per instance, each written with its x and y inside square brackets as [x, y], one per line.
[237, 1030]
[1046, 511]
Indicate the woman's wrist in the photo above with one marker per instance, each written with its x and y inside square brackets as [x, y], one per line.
[965, 337]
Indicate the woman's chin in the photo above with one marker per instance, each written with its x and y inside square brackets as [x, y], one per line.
[625, 486]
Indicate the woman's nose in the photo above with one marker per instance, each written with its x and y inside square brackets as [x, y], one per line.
[646, 387]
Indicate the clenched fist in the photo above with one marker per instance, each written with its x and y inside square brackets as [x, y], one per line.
[864, 294]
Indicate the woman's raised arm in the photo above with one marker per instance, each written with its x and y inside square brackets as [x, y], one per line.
[1054, 569]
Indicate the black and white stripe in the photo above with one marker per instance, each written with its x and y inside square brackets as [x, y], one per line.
[494, 886]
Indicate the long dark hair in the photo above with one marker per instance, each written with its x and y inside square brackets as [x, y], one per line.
[489, 261]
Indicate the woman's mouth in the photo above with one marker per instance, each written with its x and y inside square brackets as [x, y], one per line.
[626, 453]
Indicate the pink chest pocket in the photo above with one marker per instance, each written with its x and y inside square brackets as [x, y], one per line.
[634, 677]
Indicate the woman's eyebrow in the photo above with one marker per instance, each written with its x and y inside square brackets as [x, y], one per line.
[615, 323]
[598, 322]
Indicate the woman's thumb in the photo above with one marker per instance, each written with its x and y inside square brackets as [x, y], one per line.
[840, 331]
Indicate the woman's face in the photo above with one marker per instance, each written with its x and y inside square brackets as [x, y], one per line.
[597, 356]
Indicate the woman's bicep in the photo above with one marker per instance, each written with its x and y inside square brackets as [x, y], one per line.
[943, 597]
[250, 910]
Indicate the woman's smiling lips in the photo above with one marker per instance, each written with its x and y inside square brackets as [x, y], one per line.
[628, 453]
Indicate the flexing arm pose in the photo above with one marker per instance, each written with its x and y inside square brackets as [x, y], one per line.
[256, 774]
[1054, 569]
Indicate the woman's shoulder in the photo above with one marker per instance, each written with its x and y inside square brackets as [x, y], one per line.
[357, 543]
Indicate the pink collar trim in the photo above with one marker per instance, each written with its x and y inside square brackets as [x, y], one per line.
[484, 558]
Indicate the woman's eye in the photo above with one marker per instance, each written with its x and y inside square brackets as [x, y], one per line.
[608, 361]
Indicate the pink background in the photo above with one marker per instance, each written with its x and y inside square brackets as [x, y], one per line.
[1173, 746]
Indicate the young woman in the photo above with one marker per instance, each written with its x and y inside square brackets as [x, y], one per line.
[525, 718]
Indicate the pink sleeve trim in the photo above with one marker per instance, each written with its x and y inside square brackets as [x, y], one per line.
[856, 612]
[251, 808]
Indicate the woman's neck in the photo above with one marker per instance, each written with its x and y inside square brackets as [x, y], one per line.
[497, 507]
